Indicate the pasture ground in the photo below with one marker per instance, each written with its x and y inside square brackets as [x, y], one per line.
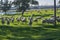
[38, 31]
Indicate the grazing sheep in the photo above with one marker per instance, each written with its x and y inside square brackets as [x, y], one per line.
[48, 21]
[18, 19]
[44, 21]
[23, 19]
[30, 17]
[2, 20]
[36, 19]
[30, 21]
[58, 20]
[51, 18]
[8, 21]
[12, 19]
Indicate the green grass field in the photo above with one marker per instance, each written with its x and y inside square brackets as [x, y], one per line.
[25, 32]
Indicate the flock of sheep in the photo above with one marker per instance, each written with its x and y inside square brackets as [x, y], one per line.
[31, 19]
[9, 20]
[51, 20]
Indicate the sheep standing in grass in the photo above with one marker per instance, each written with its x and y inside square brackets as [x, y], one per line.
[58, 20]
[3, 20]
[31, 19]
[51, 21]
[37, 18]
[12, 19]
[44, 21]
[23, 19]
[18, 19]
[8, 21]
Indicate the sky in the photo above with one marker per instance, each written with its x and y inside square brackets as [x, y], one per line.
[45, 2]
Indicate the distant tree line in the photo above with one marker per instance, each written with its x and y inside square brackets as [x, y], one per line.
[21, 5]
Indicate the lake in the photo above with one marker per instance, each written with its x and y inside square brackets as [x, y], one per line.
[2, 13]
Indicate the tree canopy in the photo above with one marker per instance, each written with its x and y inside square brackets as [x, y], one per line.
[6, 6]
[22, 5]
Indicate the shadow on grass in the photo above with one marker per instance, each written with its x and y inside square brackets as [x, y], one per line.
[26, 33]
[11, 14]
[51, 26]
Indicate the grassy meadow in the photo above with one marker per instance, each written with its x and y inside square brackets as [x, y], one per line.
[22, 31]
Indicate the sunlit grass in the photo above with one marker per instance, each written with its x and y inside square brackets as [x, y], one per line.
[23, 31]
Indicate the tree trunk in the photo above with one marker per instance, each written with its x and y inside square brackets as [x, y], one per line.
[55, 12]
